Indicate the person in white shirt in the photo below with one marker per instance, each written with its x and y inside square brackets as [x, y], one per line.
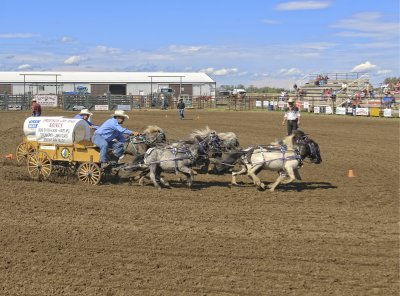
[292, 117]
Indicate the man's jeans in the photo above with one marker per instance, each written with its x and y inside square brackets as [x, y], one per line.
[117, 147]
[181, 113]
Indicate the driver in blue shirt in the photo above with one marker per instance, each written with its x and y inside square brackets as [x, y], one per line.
[111, 135]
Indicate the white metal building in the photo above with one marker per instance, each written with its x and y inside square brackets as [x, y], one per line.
[98, 83]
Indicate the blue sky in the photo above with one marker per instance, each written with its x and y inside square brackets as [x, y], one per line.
[264, 43]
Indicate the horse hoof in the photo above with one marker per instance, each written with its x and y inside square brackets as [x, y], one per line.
[272, 189]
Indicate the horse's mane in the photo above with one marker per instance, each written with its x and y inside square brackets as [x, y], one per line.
[151, 129]
[288, 141]
[229, 139]
[201, 133]
[228, 136]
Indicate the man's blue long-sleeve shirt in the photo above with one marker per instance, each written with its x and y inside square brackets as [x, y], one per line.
[79, 116]
[111, 130]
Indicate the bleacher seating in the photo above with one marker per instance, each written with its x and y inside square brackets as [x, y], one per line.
[355, 82]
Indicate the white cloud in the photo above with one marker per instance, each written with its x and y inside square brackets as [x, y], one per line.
[357, 34]
[319, 46]
[184, 49]
[384, 72]
[24, 67]
[107, 50]
[303, 5]
[18, 35]
[367, 24]
[290, 72]
[367, 66]
[74, 60]
[219, 72]
[270, 22]
[67, 39]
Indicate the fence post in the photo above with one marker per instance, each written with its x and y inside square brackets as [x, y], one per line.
[29, 100]
[86, 101]
[109, 101]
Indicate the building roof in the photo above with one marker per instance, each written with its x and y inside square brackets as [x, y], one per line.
[105, 77]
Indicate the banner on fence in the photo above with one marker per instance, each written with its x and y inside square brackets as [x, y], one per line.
[266, 104]
[46, 100]
[101, 107]
[124, 107]
[306, 105]
[374, 112]
[14, 107]
[387, 112]
[317, 110]
[341, 110]
[281, 104]
[328, 110]
[350, 110]
[362, 111]
[258, 104]
[78, 107]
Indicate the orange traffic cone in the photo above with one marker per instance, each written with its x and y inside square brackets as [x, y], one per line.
[350, 174]
[9, 156]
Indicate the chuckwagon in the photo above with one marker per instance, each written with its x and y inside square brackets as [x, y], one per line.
[54, 145]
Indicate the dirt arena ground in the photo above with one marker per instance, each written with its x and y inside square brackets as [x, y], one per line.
[329, 235]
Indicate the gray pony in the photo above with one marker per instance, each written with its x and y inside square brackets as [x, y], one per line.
[180, 157]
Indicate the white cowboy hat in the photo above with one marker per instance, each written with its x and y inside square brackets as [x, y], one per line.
[120, 113]
[85, 112]
[290, 100]
[33, 100]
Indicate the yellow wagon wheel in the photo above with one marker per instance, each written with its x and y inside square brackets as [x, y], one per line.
[23, 151]
[89, 173]
[39, 165]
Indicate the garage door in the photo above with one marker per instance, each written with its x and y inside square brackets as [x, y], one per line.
[98, 89]
[5, 88]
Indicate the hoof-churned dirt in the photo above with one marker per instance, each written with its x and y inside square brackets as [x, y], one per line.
[328, 234]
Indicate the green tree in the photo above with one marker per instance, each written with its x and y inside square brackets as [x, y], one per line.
[392, 80]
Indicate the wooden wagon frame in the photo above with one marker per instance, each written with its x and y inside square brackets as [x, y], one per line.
[82, 159]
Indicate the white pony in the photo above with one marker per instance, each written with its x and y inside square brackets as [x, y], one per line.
[282, 157]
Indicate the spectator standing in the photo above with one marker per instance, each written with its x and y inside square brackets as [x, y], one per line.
[36, 108]
[292, 117]
[181, 109]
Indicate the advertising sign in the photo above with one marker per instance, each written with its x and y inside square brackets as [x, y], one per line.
[14, 107]
[258, 104]
[46, 100]
[266, 104]
[362, 111]
[341, 110]
[387, 112]
[101, 107]
[316, 110]
[328, 110]
[124, 107]
[62, 131]
[306, 105]
[375, 112]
